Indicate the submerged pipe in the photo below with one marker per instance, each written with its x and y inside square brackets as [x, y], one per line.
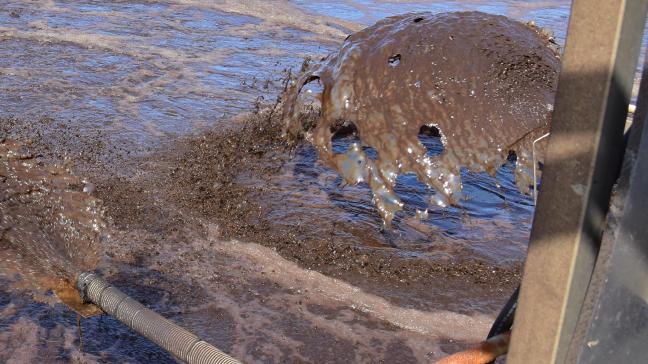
[173, 338]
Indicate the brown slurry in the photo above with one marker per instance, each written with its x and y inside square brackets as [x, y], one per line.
[486, 82]
[228, 176]
[172, 211]
[161, 202]
[50, 224]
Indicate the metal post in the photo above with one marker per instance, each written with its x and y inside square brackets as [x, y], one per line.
[613, 323]
[583, 158]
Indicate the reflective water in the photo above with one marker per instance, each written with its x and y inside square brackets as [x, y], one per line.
[147, 69]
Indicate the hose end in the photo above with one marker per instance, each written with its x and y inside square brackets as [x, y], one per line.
[82, 283]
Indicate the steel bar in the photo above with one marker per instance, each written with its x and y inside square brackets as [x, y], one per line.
[535, 168]
[583, 159]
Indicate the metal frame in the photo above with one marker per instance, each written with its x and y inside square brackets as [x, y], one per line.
[631, 109]
[613, 323]
[583, 159]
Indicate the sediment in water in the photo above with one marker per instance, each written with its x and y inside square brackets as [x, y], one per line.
[50, 224]
[247, 179]
[173, 208]
[485, 82]
[245, 297]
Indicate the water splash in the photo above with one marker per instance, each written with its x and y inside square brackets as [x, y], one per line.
[485, 82]
[50, 224]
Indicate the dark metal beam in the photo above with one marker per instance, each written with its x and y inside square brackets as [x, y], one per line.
[613, 322]
[583, 159]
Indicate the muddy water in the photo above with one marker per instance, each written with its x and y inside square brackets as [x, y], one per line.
[484, 83]
[146, 69]
[168, 109]
[50, 224]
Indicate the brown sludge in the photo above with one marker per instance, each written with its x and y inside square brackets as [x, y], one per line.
[50, 224]
[486, 82]
[222, 217]
[241, 178]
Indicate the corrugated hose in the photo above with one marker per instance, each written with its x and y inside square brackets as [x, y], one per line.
[181, 343]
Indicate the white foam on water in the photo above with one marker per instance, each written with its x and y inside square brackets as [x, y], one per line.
[439, 323]
[281, 13]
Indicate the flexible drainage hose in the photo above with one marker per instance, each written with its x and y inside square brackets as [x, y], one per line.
[176, 340]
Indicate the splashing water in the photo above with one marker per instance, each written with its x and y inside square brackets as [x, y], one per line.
[50, 224]
[485, 82]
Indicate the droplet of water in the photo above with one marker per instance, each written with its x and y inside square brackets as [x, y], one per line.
[89, 188]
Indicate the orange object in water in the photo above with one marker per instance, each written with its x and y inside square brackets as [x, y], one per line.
[486, 352]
